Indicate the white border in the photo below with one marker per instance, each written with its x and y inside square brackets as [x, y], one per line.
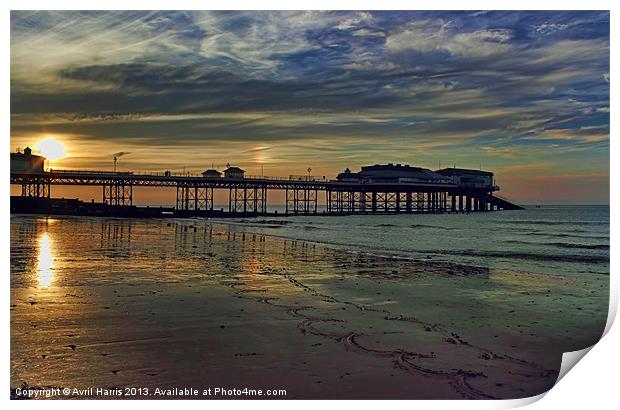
[592, 384]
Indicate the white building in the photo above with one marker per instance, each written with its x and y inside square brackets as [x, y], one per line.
[26, 163]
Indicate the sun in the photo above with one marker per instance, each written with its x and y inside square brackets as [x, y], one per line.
[52, 149]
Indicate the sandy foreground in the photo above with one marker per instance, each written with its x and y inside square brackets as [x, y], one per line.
[164, 305]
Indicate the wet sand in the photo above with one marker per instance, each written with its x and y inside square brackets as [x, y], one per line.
[159, 304]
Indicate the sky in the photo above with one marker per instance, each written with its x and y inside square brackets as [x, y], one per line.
[522, 94]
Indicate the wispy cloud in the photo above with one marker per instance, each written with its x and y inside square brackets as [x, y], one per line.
[445, 36]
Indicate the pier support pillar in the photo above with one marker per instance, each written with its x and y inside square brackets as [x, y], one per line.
[118, 193]
[236, 199]
[382, 202]
[419, 202]
[251, 199]
[409, 200]
[302, 200]
[328, 200]
[391, 201]
[36, 188]
[366, 202]
[194, 198]
[256, 200]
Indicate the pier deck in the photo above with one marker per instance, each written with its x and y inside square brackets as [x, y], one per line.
[248, 196]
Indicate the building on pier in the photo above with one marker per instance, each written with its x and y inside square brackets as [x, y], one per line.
[393, 174]
[234, 172]
[469, 178]
[212, 173]
[26, 162]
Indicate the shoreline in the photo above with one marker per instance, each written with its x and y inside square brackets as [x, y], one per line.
[420, 256]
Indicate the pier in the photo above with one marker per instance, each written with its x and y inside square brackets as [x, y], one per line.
[247, 196]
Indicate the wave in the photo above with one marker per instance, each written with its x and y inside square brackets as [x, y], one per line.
[266, 221]
[562, 244]
[387, 225]
[568, 235]
[527, 256]
[579, 245]
[256, 223]
[432, 227]
[552, 223]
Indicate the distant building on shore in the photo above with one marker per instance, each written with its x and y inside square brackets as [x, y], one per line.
[26, 162]
[234, 172]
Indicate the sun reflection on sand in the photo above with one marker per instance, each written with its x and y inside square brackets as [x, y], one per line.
[45, 261]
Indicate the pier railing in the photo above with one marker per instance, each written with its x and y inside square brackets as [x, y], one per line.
[305, 178]
[248, 195]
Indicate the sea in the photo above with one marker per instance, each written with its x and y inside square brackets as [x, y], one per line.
[553, 239]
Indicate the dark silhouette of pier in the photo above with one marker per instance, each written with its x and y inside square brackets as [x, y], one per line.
[247, 196]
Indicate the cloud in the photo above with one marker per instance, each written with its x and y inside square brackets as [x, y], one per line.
[548, 28]
[364, 32]
[339, 86]
[586, 134]
[442, 36]
[502, 152]
[530, 168]
[573, 51]
[354, 20]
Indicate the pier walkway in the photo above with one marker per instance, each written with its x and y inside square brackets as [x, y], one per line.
[248, 195]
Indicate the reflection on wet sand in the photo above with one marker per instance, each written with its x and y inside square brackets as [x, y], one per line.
[45, 261]
[184, 303]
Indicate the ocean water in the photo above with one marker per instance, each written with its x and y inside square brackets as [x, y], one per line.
[562, 240]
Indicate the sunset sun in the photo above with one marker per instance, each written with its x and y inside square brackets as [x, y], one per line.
[52, 149]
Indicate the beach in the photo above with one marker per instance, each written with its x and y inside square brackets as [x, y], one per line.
[162, 305]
